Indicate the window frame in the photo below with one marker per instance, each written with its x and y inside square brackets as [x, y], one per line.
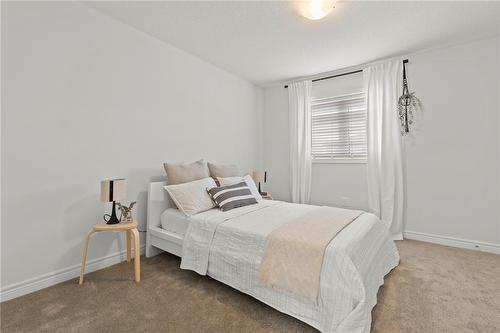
[341, 160]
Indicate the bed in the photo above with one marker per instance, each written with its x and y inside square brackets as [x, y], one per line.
[228, 246]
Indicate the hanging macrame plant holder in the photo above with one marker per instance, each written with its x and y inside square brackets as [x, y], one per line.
[408, 104]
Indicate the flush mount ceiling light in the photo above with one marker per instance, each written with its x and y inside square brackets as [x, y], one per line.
[315, 9]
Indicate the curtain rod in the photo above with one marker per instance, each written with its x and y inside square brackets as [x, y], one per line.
[348, 73]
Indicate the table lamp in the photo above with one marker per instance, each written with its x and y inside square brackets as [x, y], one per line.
[259, 177]
[113, 190]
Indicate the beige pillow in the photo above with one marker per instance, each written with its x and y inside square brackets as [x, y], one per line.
[184, 173]
[223, 170]
[192, 197]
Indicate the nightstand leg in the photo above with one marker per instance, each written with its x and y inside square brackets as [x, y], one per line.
[129, 245]
[137, 255]
[84, 255]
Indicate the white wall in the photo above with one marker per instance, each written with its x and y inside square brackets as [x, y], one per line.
[85, 98]
[453, 164]
[453, 161]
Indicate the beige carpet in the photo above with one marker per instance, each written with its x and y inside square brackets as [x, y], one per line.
[434, 289]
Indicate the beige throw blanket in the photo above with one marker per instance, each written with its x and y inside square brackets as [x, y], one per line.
[294, 252]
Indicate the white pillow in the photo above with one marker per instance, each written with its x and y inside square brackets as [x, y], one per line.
[192, 198]
[224, 181]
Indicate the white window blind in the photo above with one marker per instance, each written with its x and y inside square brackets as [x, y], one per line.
[339, 128]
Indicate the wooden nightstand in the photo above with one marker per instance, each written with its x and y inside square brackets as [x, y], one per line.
[131, 229]
[267, 196]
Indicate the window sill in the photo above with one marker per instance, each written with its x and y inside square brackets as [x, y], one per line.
[339, 161]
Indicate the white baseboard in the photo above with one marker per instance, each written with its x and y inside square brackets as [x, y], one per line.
[452, 241]
[50, 279]
[31, 285]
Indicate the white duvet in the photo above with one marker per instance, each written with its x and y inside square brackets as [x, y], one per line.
[228, 246]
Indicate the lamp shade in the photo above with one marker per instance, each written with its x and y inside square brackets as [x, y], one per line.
[113, 190]
[259, 176]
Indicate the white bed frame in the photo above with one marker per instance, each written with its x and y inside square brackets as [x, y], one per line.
[158, 239]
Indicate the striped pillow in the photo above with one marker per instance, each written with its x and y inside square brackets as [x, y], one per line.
[232, 196]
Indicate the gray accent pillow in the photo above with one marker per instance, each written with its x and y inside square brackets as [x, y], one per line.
[223, 170]
[232, 196]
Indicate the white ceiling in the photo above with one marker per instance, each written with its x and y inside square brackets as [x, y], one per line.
[268, 41]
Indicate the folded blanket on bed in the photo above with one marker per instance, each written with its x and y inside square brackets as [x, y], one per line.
[294, 252]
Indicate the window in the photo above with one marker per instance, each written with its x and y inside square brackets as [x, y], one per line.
[339, 128]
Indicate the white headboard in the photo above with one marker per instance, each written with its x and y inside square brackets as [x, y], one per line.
[157, 203]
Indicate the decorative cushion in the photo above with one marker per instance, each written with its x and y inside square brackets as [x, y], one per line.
[232, 196]
[221, 170]
[192, 198]
[184, 173]
[248, 179]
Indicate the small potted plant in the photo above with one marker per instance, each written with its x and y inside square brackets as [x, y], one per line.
[126, 212]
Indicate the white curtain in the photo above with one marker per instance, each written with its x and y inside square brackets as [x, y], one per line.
[299, 104]
[386, 191]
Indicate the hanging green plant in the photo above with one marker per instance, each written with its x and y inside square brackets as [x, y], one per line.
[408, 105]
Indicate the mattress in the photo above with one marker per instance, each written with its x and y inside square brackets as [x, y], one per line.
[175, 221]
